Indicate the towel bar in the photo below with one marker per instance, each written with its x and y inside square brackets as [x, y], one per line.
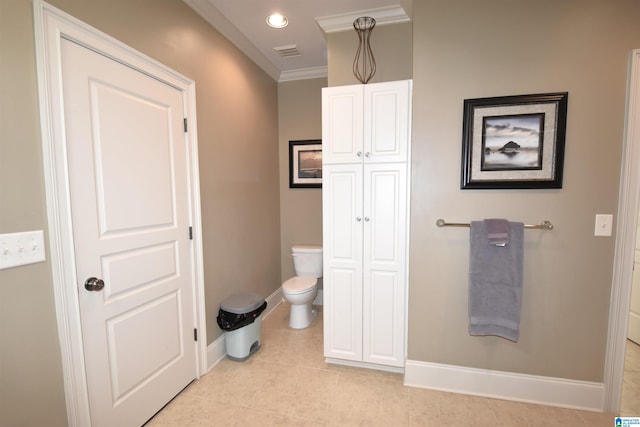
[544, 225]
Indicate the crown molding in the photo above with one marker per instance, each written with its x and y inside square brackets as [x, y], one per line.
[305, 73]
[213, 16]
[344, 22]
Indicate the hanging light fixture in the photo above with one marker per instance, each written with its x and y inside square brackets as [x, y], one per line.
[364, 64]
[277, 21]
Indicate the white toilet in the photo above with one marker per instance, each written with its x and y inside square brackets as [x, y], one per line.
[301, 290]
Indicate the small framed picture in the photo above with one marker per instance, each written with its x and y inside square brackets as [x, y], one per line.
[514, 141]
[305, 164]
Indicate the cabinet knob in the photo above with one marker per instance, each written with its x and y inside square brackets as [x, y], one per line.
[359, 154]
[367, 154]
[366, 218]
[358, 219]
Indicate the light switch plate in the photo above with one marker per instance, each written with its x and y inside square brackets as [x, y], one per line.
[604, 225]
[21, 248]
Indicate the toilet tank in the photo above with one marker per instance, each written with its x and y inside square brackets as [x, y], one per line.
[307, 260]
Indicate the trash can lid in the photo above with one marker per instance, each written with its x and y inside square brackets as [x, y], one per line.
[242, 303]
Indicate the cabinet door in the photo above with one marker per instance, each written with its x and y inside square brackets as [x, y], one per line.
[342, 257]
[384, 266]
[387, 121]
[342, 124]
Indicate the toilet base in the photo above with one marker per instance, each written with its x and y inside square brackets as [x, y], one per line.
[301, 316]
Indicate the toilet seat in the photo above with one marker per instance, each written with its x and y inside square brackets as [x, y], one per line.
[299, 285]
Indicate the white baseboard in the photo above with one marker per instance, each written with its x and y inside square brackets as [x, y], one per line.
[364, 365]
[217, 350]
[506, 385]
[273, 301]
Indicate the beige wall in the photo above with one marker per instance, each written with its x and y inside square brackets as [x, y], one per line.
[31, 388]
[469, 49]
[238, 148]
[392, 47]
[300, 118]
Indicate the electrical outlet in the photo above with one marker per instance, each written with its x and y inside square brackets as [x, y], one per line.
[21, 248]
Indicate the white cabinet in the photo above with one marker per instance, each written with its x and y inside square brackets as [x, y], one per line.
[365, 223]
[369, 122]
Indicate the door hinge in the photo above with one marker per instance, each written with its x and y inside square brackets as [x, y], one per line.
[195, 334]
[185, 125]
[190, 233]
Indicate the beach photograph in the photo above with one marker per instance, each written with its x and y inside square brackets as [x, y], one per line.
[512, 142]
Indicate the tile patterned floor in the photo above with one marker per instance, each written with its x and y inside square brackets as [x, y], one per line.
[287, 383]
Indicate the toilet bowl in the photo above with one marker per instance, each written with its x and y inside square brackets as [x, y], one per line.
[301, 290]
[300, 293]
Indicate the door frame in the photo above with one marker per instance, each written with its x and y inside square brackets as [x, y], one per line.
[629, 198]
[50, 26]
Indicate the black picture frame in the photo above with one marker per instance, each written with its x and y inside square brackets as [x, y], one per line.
[305, 164]
[514, 142]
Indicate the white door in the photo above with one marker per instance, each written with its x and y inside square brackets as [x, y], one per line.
[633, 332]
[128, 174]
[342, 259]
[386, 121]
[384, 283]
[342, 124]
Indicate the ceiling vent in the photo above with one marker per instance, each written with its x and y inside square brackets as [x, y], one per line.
[288, 51]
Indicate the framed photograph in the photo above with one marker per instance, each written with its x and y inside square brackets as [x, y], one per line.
[514, 141]
[305, 164]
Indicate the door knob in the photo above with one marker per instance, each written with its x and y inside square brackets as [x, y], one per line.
[94, 284]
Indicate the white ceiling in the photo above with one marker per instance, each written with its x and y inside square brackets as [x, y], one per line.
[243, 22]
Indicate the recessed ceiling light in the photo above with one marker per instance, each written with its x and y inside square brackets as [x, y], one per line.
[277, 21]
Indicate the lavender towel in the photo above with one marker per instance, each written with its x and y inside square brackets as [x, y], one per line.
[495, 282]
[497, 231]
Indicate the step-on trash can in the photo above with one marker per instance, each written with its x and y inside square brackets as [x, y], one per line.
[239, 317]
